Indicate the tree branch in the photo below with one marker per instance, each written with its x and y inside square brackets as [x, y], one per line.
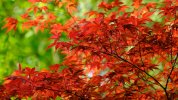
[173, 66]
[135, 66]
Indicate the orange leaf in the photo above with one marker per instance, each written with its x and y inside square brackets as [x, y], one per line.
[11, 23]
[55, 67]
[137, 3]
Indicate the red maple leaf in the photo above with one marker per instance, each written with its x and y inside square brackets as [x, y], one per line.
[11, 23]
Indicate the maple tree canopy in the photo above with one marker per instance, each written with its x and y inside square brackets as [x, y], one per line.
[113, 53]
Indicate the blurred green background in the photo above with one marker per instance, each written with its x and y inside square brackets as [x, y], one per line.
[27, 47]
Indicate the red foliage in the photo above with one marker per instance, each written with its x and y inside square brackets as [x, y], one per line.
[109, 56]
[10, 24]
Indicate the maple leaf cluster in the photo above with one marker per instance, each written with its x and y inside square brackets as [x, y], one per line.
[110, 54]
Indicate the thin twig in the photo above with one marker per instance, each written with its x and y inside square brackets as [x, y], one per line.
[173, 66]
[135, 66]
